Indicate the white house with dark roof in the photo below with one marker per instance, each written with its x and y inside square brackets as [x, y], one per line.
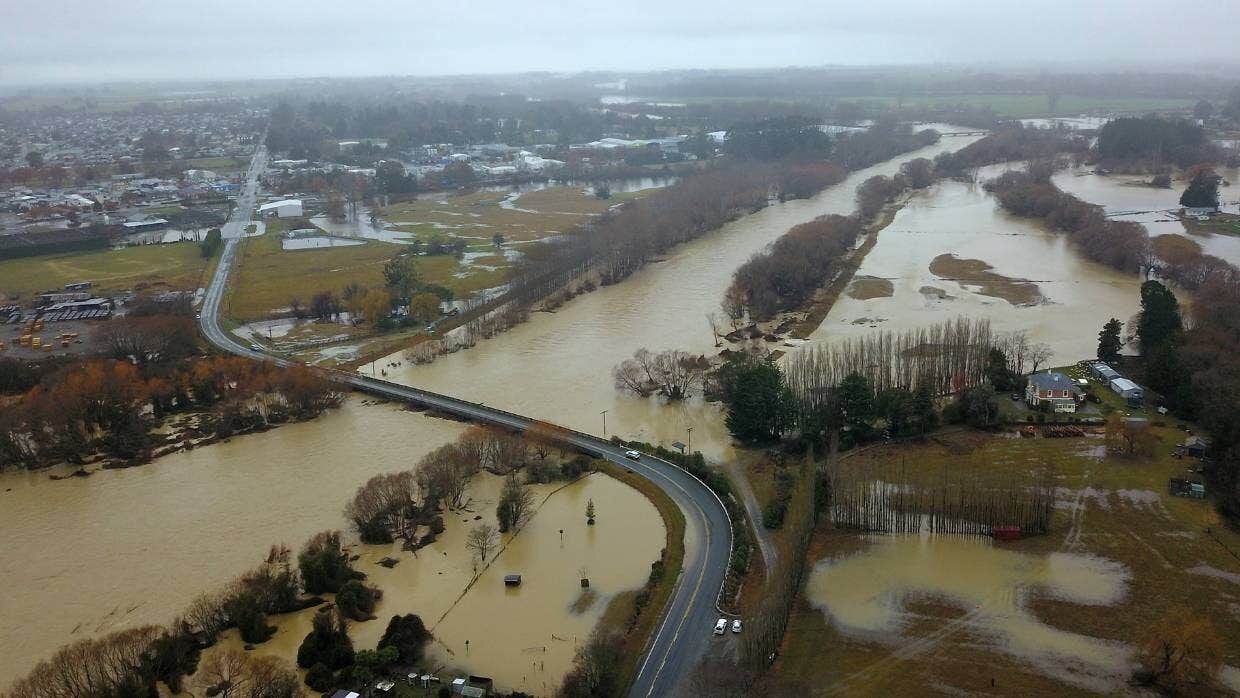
[1053, 388]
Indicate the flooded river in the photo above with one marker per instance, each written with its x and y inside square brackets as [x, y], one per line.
[135, 546]
[130, 547]
[951, 217]
[868, 595]
[558, 366]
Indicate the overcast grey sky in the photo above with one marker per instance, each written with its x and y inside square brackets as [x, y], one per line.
[105, 40]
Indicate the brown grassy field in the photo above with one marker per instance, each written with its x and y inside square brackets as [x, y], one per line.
[1174, 551]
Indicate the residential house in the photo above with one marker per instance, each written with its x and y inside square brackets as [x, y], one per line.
[1053, 388]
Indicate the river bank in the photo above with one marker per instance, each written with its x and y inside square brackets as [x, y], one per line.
[557, 366]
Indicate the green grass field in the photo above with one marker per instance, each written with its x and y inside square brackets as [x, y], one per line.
[478, 216]
[1221, 224]
[178, 265]
[268, 277]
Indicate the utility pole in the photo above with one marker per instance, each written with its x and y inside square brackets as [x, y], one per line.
[604, 413]
[690, 449]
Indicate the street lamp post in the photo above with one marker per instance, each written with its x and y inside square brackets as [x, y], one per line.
[690, 441]
[604, 413]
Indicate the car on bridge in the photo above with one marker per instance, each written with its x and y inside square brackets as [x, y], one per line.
[633, 455]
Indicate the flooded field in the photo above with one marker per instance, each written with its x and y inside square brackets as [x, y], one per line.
[558, 366]
[1131, 200]
[1004, 268]
[1048, 615]
[135, 546]
[523, 637]
[870, 594]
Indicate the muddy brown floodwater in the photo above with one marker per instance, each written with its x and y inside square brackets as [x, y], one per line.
[953, 218]
[1149, 205]
[121, 548]
[558, 366]
[523, 637]
[866, 595]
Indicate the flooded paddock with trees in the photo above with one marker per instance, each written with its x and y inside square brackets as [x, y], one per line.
[147, 540]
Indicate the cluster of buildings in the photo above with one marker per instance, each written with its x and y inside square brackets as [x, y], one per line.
[1063, 394]
[82, 139]
[487, 160]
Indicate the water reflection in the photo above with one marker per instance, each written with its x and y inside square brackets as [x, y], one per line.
[868, 595]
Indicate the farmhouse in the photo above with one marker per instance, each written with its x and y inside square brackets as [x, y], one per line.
[1053, 388]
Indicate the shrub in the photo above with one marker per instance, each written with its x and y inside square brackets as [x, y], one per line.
[320, 678]
[355, 600]
[327, 643]
[324, 566]
[408, 635]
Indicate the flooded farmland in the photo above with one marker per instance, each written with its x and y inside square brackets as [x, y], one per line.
[523, 637]
[558, 366]
[1127, 198]
[867, 595]
[1007, 269]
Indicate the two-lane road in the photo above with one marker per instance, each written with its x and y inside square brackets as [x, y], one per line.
[684, 631]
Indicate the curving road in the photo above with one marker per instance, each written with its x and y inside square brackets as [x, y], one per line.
[683, 634]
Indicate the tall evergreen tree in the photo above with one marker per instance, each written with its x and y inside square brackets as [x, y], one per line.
[1159, 319]
[1202, 189]
[760, 408]
[1108, 341]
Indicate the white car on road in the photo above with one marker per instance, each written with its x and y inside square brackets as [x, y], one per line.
[721, 626]
[633, 455]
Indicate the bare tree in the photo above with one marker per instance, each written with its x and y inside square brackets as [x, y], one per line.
[379, 506]
[673, 374]
[733, 305]
[231, 673]
[481, 539]
[445, 473]
[1038, 353]
[713, 320]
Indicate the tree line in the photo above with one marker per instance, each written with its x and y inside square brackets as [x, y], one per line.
[112, 405]
[1122, 245]
[891, 498]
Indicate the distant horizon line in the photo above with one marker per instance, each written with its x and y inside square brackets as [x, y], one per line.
[1197, 68]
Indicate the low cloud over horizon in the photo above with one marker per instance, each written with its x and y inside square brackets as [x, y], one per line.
[61, 41]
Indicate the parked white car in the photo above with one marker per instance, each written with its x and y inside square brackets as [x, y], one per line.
[736, 626]
[633, 455]
[721, 627]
